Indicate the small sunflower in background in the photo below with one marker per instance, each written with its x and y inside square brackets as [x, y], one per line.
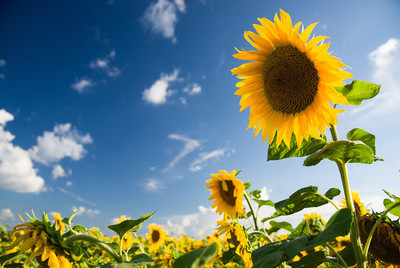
[237, 239]
[156, 237]
[228, 193]
[315, 222]
[290, 82]
[358, 205]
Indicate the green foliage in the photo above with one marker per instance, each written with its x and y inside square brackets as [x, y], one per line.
[7, 257]
[358, 91]
[394, 211]
[129, 225]
[272, 254]
[301, 199]
[276, 226]
[197, 258]
[311, 260]
[306, 148]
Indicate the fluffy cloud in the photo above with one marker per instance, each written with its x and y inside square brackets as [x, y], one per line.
[190, 146]
[202, 222]
[159, 91]
[83, 85]
[63, 141]
[192, 89]
[16, 168]
[153, 185]
[2, 63]
[6, 214]
[104, 64]
[58, 171]
[386, 63]
[81, 210]
[199, 163]
[161, 17]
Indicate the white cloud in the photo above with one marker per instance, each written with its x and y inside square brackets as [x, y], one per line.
[83, 85]
[63, 141]
[190, 146]
[181, 5]
[16, 168]
[153, 185]
[80, 199]
[6, 214]
[386, 63]
[58, 171]
[2, 63]
[104, 64]
[81, 210]
[192, 89]
[202, 222]
[2, 76]
[161, 17]
[69, 183]
[159, 91]
[200, 162]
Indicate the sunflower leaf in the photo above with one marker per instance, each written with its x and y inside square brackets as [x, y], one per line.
[276, 226]
[129, 225]
[388, 203]
[358, 91]
[310, 260]
[197, 258]
[343, 151]
[301, 199]
[306, 148]
[7, 257]
[272, 254]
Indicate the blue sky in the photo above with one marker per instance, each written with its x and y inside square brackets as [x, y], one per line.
[125, 107]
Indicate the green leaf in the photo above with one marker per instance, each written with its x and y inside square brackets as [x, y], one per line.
[256, 193]
[281, 251]
[332, 192]
[129, 225]
[301, 199]
[120, 265]
[79, 228]
[247, 185]
[197, 258]
[348, 255]
[7, 257]
[306, 148]
[264, 203]
[141, 259]
[343, 151]
[388, 203]
[310, 260]
[359, 134]
[390, 194]
[276, 226]
[301, 230]
[358, 91]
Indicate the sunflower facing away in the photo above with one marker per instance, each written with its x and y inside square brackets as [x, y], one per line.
[358, 205]
[290, 82]
[156, 236]
[228, 193]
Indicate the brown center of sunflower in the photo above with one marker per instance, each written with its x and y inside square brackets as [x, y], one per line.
[155, 236]
[290, 80]
[227, 192]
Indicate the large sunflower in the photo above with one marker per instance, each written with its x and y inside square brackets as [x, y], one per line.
[290, 82]
[156, 236]
[228, 193]
[358, 205]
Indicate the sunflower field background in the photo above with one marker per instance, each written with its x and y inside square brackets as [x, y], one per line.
[118, 119]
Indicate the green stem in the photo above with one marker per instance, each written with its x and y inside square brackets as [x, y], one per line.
[336, 254]
[371, 233]
[102, 245]
[140, 246]
[354, 232]
[246, 195]
[327, 199]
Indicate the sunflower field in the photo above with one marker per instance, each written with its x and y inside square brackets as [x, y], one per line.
[293, 87]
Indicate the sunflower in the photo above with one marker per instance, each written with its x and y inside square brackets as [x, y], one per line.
[290, 82]
[156, 236]
[234, 231]
[228, 193]
[385, 243]
[315, 222]
[358, 205]
[59, 223]
[34, 238]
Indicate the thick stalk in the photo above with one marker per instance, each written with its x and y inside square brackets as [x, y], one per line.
[96, 242]
[336, 254]
[354, 232]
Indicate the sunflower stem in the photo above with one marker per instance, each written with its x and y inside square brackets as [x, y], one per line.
[354, 232]
[327, 199]
[336, 254]
[246, 195]
[371, 233]
[102, 245]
